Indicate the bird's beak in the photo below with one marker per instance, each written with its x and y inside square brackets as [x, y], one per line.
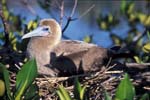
[39, 31]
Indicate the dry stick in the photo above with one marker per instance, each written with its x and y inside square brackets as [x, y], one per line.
[69, 19]
[87, 11]
[5, 25]
[74, 8]
[142, 65]
[28, 6]
[61, 12]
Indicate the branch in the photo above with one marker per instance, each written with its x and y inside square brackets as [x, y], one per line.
[69, 19]
[5, 25]
[74, 8]
[87, 11]
[61, 12]
[28, 6]
[141, 66]
[68, 22]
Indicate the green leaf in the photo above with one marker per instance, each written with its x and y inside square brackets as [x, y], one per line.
[60, 95]
[106, 95]
[87, 39]
[63, 94]
[116, 39]
[137, 59]
[6, 79]
[103, 25]
[130, 7]
[123, 6]
[148, 35]
[146, 48]
[25, 78]
[125, 90]
[110, 18]
[82, 93]
[77, 89]
[142, 17]
[32, 93]
[30, 25]
[145, 97]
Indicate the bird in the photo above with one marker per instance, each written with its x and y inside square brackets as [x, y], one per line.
[57, 57]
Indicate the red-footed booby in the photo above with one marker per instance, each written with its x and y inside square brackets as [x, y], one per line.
[56, 57]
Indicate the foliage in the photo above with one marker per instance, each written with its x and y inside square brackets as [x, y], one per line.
[125, 91]
[135, 41]
[79, 92]
[25, 88]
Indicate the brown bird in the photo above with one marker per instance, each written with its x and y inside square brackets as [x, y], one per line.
[56, 57]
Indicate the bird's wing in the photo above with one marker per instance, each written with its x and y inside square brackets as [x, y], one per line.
[69, 47]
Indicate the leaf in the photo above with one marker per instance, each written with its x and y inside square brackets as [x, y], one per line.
[110, 18]
[60, 95]
[87, 39]
[25, 78]
[106, 95]
[131, 8]
[146, 48]
[145, 97]
[142, 17]
[77, 89]
[148, 35]
[125, 90]
[116, 39]
[6, 79]
[63, 94]
[147, 21]
[82, 93]
[137, 59]
[31, 93]
[123, 6]
[103, 25]
[30, 25]
[2, 88]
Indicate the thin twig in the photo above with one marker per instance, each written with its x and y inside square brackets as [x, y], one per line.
[61, 12]
[67, 24]
[5, 25]
[69, 19]
[74, 8]
[28, 6]
[137, 65]
[87, 11]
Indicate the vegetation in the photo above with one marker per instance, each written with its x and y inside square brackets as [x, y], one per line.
[18, 76]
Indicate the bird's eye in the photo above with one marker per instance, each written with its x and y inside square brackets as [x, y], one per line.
[46, 29]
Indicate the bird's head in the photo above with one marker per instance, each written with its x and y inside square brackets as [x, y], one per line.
[47, 27]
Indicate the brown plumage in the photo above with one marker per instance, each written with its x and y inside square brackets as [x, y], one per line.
[58, 58]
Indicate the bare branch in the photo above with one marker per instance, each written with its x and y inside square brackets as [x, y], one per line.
[69, 19]
[61, 12]
[5, 25]
[137, 65]
[28, 6]
[68, 22]
[74, 8]
[87, 11]
[57, 4]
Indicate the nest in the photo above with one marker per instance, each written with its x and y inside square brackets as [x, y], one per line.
[106, 79]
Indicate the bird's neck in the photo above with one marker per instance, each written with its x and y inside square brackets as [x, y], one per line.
[44, 43]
